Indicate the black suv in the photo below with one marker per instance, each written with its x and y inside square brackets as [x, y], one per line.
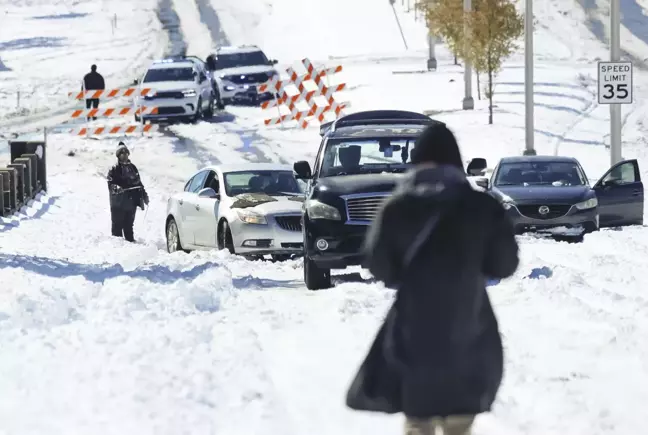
[360, 159]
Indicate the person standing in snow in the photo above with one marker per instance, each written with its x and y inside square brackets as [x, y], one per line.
[438, 356]
[126, 194]
[91, 82]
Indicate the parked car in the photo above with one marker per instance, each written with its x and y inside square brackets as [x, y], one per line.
[239, 71]
[542, 193]
[251, 209]
[360, 159]
[182, 90]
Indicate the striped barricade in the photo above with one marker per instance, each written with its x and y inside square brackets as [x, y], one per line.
[112, 112]
[117, 111]
[112, 130]
[111, 93]
[313, 110]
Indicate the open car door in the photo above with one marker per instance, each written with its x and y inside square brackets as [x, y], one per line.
[620, 194]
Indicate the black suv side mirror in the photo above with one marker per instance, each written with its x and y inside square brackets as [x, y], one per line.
[302, 170]
[273, 61]
[477, 166]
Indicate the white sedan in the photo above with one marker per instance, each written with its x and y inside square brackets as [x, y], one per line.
[253, 209]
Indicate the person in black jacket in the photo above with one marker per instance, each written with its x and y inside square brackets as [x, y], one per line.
[126, 194]
[438, 356]
[91, 82]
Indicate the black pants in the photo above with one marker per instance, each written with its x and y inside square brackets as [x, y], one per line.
[122, 222]
[94, 104]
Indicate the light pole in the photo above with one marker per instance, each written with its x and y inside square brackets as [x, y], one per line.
[432, 62]
[615, 56]
[529, 128]
[468, 102]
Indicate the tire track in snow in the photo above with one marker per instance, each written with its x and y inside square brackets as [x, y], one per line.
[585, 114]
[210, 18]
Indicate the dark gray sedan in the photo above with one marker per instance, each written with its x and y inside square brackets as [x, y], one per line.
[548, 192]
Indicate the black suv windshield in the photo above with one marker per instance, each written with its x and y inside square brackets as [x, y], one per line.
[235, 60]
[184, 74]
[273, 183]
[540, 174]
[361, 156]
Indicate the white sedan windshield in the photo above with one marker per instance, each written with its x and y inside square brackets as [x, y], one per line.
[269, 182]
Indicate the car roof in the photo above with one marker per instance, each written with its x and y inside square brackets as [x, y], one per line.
[237, 49]
[173, 64]
[378, 123]
[538, 159]
[372, 131]
[241, 167]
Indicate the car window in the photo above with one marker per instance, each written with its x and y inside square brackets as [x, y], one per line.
[269, 182]
[540, 174]
[622, 174]
[169, 75]
[234, 60]
[198, 182]
[353, 156]
[187, 184]
[212, 181]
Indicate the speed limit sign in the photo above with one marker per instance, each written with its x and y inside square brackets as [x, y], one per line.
[615, 83]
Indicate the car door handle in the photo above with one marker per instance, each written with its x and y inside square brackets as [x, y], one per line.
[636, 192]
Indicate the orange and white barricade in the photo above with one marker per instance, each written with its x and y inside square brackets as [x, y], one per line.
[323, 91]
[112, 130]
[134, 110]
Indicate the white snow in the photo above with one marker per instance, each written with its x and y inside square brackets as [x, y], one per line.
[101, 336]
[46, 47]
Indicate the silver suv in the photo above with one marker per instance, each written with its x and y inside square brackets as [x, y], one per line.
[239, 70]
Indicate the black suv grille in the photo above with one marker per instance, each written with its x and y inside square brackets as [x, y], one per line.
[290, 223]
[533, 210]
[242, 79]
[364, 208]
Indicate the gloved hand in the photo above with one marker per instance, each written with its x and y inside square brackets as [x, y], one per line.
[116, 189]
[146, 198]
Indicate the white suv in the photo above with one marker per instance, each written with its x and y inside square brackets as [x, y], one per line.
[239, 70]
[182, 90]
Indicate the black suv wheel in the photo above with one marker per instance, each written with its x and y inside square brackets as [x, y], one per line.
[315, 277]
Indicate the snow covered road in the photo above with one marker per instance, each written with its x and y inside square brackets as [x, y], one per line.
[101, 336]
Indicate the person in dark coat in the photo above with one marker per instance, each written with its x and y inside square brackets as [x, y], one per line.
[126, 194]
[438, 356]
[91, 82]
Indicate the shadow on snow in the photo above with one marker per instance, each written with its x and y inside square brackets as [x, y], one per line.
[20, 217]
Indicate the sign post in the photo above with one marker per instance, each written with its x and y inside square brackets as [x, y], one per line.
[615, 88]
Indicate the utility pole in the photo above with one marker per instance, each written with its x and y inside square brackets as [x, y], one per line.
[432, 62]
[529, 128]
[615, 56]
[468, 101]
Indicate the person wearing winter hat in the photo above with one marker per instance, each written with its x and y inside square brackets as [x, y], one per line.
[438, 356]
[126, 194]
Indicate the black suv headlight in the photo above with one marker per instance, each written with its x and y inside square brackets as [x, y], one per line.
[319, 210]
